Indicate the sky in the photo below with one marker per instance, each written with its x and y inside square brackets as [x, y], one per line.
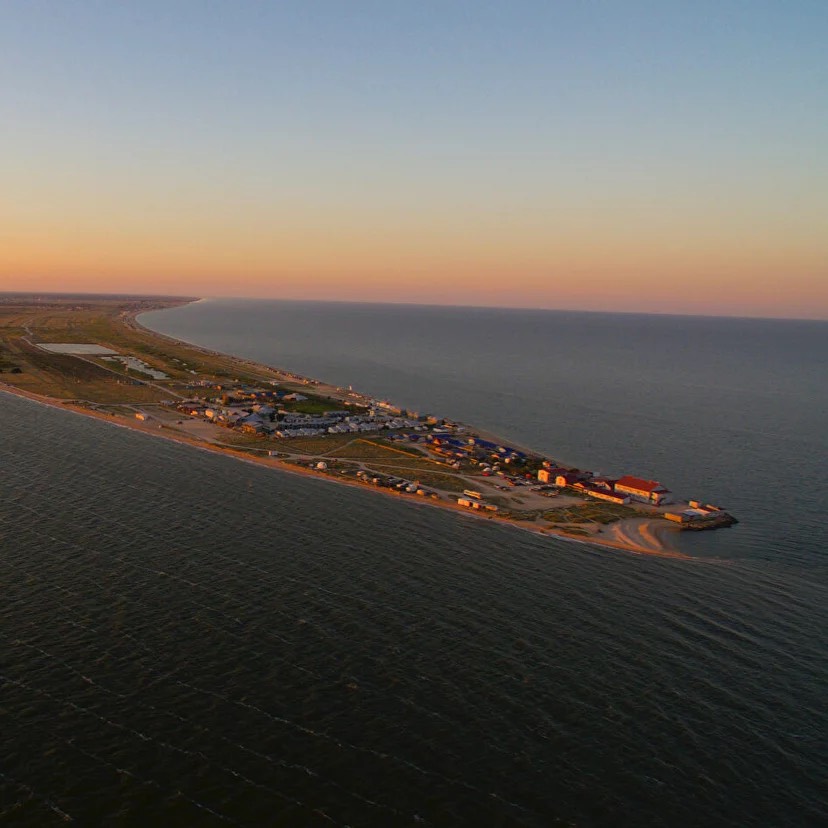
[662, 156]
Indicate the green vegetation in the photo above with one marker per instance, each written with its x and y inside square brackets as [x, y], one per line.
[313, 445]
[590, 511]
[68, 377]
[105, 321]
[361, 448]
[412, 464]
[516, 514]
[7, 363]
[239, 439]
[428, 479]
[314, 405]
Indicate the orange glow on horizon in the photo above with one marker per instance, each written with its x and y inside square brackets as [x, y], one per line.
[590, 259]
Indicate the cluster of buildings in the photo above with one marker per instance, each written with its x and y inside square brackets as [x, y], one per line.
[700, 515]
[337, 422]
[472, 500]
[614, 490]
[248, 395]
[263, 413]
[443, 443]
[399, 483]
[478, 451]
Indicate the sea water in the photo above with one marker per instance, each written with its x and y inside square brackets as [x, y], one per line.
[187, 639]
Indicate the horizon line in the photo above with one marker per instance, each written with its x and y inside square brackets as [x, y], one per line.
[192, 299]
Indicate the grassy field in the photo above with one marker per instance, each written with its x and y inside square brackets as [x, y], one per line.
[362, 448]
[427, 478]
[107, 321]
[67, 377]
[373, 457]
[7, 360]
[590, 512]
[414, 463]
[314, 406]
[313, 446]
[231, 437]
[59, 375]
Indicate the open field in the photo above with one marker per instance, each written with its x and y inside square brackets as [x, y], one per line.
[427, 478]
[109, 322]
[361, 448]
[231, 437]
[69, 377]
[312, 446]
[318, 406]
[591, 511]
[414, 463]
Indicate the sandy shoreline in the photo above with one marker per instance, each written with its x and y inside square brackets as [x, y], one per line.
[641, 536]
[649, 536]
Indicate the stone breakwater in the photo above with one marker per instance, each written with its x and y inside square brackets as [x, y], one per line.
[718, 522]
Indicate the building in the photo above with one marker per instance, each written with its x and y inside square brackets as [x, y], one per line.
[549, 475]
[567, 479]
[644, 491]
[695, 513]
[603, 494]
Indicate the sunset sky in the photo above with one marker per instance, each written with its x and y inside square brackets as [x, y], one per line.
[659, 156]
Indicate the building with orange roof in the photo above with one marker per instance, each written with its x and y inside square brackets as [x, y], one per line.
[645, 491]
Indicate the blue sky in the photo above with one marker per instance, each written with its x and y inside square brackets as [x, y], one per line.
[430, 125]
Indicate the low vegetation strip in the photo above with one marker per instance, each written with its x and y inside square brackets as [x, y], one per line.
[438, 480]
[361, 449]
[326, 445]
[414, 464]
[590, 512]
[416, 454]
[63, 364]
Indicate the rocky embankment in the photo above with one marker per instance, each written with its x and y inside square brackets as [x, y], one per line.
[716, 522]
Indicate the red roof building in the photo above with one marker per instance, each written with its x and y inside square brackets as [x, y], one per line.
[603, 494]
[648, 491]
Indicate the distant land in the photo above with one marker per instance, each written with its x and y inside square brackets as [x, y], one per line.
[88, 354]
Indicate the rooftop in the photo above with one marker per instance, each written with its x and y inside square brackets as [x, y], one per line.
[641, 484]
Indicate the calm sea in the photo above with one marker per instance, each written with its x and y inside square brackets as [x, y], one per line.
[190, 640]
